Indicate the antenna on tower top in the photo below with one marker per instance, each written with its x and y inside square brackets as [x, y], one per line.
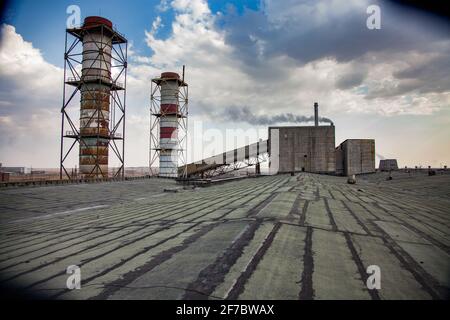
[183, 72]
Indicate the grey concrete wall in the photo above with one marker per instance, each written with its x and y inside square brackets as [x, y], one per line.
[339, 160]
[309, 149]
[355, 156]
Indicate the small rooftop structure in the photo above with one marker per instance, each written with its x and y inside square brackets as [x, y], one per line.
[388, 165]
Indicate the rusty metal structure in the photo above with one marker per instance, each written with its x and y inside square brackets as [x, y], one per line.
[95, 69]
[168, 125]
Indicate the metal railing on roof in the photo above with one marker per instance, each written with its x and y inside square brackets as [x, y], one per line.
[76, 79]
[114, 28]
[112, 135]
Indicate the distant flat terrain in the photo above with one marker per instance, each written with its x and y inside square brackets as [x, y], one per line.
[274, 237]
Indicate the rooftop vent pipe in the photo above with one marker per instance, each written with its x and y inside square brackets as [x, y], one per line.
[316, 114]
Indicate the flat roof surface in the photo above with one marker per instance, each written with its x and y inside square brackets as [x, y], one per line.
[275, 237]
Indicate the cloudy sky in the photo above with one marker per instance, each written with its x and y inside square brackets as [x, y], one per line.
[246, 62]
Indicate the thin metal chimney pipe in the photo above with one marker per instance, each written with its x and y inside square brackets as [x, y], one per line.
[316, 114]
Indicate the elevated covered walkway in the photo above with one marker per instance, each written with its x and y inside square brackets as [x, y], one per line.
[250, 155]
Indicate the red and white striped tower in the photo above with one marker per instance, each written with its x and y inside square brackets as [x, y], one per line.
[168, 125]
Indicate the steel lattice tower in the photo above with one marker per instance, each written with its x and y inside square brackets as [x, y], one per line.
[100, 79]
[168, 125]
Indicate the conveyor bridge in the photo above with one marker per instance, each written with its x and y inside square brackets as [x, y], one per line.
[250, 155]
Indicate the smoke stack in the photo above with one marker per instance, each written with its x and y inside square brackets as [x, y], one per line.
[316, 114]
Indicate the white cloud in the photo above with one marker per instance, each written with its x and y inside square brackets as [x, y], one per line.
[196, 10]
[23, 65]
[163, 6]
[30, 97]
[218, 79]
[156, 25]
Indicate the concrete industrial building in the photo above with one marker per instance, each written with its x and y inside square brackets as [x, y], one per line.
[388, 165]
[312, 149]
[355, 156]
[305, 148]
